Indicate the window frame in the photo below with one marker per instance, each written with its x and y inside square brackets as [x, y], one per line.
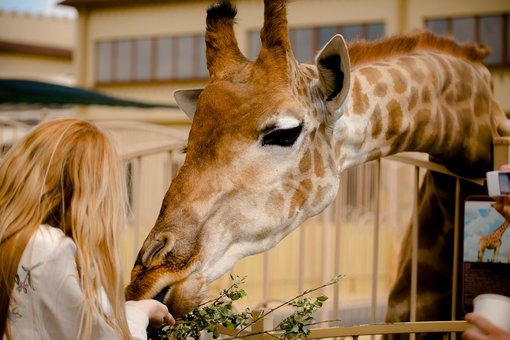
[111, 65]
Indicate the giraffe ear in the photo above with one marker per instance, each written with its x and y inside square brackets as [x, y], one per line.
[187, 101]
[334, 74]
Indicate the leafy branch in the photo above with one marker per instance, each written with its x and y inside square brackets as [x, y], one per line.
[212, 314]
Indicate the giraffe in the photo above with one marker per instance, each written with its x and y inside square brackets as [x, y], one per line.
[492, 241]
[270, 137]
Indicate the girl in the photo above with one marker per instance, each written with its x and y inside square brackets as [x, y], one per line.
[62, 205]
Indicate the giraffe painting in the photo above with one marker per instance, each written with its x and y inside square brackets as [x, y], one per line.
[270, 137]
[492, 241]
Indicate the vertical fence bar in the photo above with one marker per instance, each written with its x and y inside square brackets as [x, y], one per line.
[375, 254]
[265, 276]
[414, 253]
[456, 241]
[326, 254]
[336, 263]
[301, 261]
[136, 181]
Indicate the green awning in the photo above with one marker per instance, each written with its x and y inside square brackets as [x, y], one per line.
[30, 92]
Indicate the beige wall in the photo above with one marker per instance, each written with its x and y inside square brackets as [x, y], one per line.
[43, 32]
[26, 66]
[37, 30]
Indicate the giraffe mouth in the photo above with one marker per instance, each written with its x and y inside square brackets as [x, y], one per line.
[162, 294]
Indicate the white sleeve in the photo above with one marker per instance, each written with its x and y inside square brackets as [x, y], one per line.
[138, 322]
[61, 297]
[48, 302]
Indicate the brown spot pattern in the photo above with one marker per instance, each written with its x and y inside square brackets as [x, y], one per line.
[300, 196]
[372, 75]
[421, 120]
[464, 87]
[413, 99]
[481, 105]
[399, 81]
[305, 164]
[317, 161]
[380, 89]
[446, 71]
[395, 118]
[425, 94]
[360, 99]
[376, 121]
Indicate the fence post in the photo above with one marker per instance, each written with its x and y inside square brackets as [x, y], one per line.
[262, 325]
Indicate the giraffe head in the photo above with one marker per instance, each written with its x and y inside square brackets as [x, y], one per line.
[259, 159]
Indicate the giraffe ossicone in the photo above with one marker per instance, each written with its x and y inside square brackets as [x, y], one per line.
[270, 137]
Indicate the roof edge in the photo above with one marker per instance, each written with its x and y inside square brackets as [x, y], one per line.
[48, 51]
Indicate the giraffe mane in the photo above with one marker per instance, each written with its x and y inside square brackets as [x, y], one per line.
[362, 52]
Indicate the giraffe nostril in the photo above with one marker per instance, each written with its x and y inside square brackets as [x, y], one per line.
[157, 248]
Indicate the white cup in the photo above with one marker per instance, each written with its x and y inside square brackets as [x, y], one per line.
[495, 308]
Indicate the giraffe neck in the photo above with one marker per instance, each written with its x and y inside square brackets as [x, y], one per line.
[501, 230]
[426, 102]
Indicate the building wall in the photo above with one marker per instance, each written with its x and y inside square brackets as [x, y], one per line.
[45, 51]
[26, 66]
[38, 30]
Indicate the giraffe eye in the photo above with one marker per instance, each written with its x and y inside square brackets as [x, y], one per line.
[282, 137]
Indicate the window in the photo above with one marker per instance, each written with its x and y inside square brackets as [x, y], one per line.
[491, 30]
[151, 59]
[306, 42]
[143, 59]
[104, 66]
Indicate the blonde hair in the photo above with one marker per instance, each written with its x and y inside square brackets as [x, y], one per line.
[68, 174]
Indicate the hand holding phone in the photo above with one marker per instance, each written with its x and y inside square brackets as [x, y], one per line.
[498, 183]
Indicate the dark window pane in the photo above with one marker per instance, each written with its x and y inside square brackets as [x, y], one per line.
[375, 31]
[463, 29]
[438, 26]
[104, 61]
[123, 60]
[491, 35]
[301, 40]
[325, 34]
[202, 63]
[352, 32]
[164, 58]
[184, 57]
[143, 59]
[255, 44]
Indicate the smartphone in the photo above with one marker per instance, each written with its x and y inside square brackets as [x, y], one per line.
[486, 251]
[498, 183]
